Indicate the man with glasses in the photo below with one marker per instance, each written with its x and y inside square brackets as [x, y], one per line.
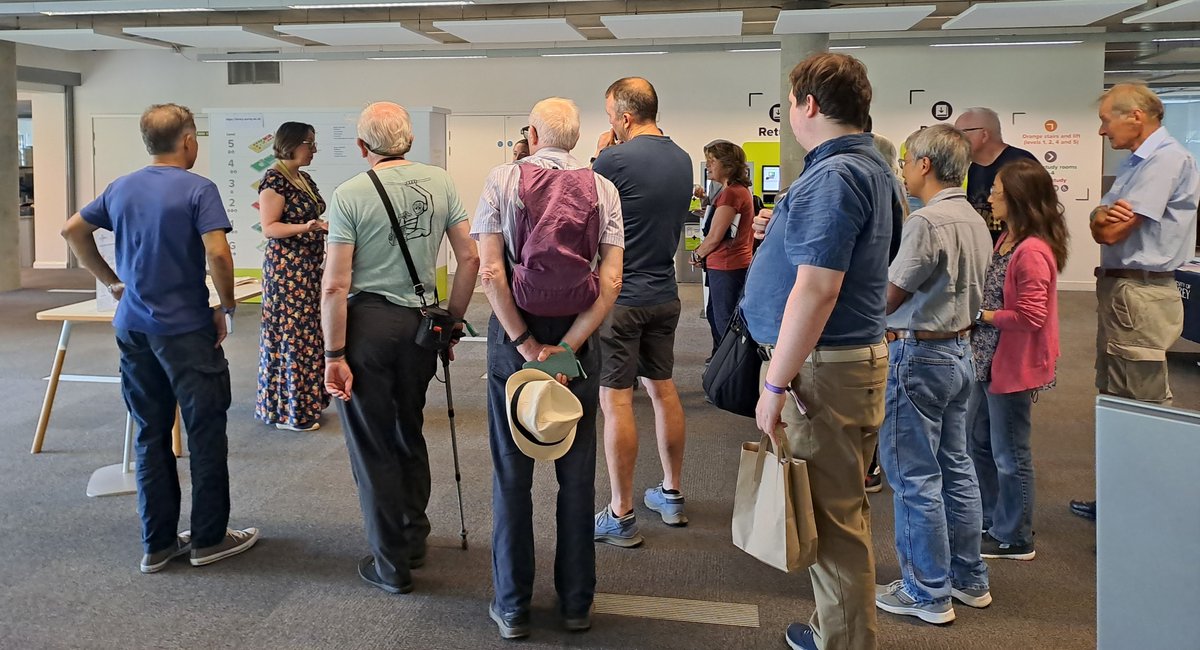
[988, 154]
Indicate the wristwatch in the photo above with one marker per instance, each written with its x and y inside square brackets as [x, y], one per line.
[112, 287]
[229, 310]
[979, 316]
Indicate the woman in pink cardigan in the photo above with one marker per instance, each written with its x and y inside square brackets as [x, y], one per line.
[1015, 346]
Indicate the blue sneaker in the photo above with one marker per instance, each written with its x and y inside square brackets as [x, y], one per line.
[670, 506]
[621, 531]
[800, 637]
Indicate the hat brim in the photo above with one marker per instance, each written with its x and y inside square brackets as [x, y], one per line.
[527, 446]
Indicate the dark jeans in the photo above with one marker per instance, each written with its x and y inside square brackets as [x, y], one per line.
[998, 437]
[382, 424]
[158, 372]
[512, 503]
[724, 289]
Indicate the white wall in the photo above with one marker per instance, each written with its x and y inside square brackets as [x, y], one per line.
[703, 96]
[49, 178]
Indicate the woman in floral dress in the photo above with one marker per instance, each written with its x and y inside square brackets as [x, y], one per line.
[291, 366]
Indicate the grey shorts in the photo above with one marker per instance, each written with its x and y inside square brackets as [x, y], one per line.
[638, 342]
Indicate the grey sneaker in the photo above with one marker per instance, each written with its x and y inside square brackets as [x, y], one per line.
[511, 626]
[977, 598]
[157, 561]
[892, 598]
[621, 531]
[670, 506]
[236, 541]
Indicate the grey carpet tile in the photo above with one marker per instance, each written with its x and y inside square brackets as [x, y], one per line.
[68, 564]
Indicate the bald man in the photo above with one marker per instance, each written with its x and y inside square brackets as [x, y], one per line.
[988, 154]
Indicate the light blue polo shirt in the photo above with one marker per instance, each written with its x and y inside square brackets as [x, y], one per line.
[1161, 182]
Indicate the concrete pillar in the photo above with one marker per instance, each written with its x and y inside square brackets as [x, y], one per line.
[794, 48]
[10, 263]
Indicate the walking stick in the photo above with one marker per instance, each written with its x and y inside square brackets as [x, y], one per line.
[445, 355]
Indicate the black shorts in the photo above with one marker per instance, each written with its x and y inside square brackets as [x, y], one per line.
[638, 342]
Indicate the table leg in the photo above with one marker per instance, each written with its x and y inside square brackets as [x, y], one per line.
[60, 356]
[177, 435]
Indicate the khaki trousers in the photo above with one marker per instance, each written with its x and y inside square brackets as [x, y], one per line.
[845, 403]
[1137, 320]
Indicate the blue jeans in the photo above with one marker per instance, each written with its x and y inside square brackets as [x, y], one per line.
[156, 373]
[1000, 428]
[512, 501]
[724, 290]
[923, 450]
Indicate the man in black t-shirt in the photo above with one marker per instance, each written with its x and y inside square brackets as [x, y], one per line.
[988, 154]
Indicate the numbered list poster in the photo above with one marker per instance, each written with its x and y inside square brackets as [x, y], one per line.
[243, 150]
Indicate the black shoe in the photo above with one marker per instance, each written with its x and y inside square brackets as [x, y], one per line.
[874, 482]
[1085, 509]
[512, 626]
[370, 575]
[993, 549]
[578, 623]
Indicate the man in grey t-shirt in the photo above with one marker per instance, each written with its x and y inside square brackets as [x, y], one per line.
[654, 178]
[935, 289]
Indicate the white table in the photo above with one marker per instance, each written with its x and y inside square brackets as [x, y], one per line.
[112, 479]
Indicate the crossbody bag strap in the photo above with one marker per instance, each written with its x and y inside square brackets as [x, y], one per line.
[418, 286]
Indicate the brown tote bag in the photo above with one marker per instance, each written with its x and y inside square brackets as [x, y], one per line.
[772, 507]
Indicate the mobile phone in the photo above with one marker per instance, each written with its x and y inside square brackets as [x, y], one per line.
[799, 404]
[228, 324]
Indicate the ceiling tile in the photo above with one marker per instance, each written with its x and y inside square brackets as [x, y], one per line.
[207, 36]
[675, 25]
[535, 30]
[855, 19]
[348, 34]
[73, 39]
[1039, 13]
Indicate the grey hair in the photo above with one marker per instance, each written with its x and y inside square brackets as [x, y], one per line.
[887, 149]
[556, 121]
[990, 120]
[1128, 97]
[386, 129]
[948, 151]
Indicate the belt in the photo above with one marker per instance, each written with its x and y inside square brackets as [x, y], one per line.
[923, 335]
[836, 355]
[1132, 274]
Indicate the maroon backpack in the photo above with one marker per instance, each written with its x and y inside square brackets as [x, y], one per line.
[556, 241]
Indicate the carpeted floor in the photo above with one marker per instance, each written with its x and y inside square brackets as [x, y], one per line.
[68, 563]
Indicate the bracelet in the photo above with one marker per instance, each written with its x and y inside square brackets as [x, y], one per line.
[772, 388]
[522, 338]
[336, 354]
[567, 346]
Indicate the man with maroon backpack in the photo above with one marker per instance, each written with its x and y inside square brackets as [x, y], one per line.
[551, 241]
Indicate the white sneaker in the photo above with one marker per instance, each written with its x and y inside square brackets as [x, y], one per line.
[283, 426]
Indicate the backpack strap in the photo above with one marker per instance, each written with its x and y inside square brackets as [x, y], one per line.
[418, 286]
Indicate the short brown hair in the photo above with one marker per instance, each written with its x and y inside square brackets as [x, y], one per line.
[163, 126]
[289, 136]
[636, 96]
[838, 83]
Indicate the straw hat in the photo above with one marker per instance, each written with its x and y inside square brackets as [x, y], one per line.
[542, 414]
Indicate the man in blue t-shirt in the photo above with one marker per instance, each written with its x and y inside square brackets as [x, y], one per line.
[815, 299]
[654, 178]
[167, 223]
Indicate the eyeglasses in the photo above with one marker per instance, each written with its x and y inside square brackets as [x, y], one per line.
[904, 162]
[311, 143]
[996, 192]
[973, 128]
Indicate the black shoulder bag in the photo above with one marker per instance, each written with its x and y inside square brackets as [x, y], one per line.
[731, 379]
[437, 329]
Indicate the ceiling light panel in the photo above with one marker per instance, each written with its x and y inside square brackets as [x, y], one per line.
[680, 25]
[206, 36]
[1183, 11]
[1175, 55]
[855, 19]
[73, 39]
[535, 30]
[349, 34]
[1040, 13]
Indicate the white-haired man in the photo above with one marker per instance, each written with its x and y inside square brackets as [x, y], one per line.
[1146, 226]
[551, 241]
[988, 154]
[370, 312]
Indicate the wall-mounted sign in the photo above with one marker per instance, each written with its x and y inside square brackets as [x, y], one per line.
[942, 111]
